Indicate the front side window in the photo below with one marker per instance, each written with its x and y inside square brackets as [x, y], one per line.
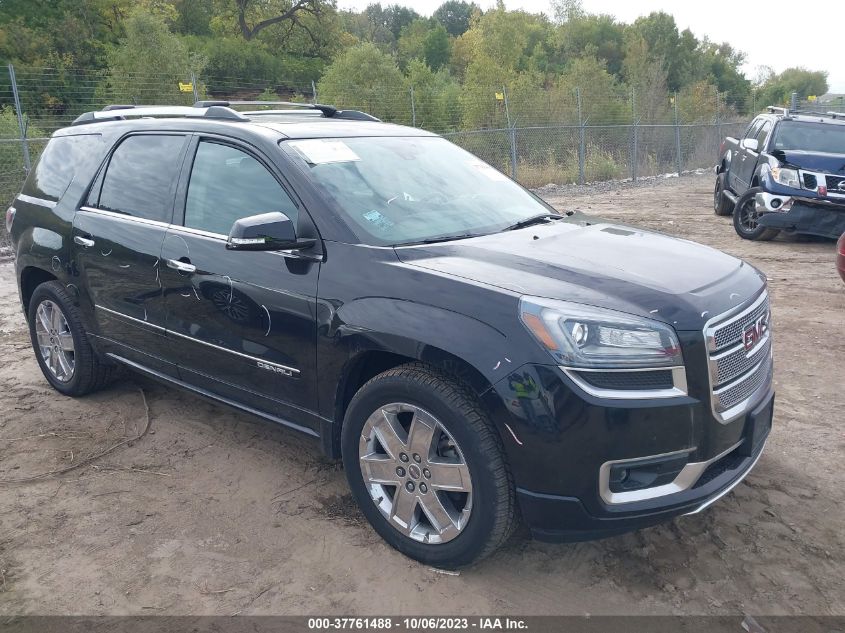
[400, 190]
[141, 177]
[228, 184]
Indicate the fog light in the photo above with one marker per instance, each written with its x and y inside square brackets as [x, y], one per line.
[776, 202]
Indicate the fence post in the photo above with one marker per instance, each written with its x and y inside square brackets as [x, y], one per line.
[512, 133]
[677, 134]
[194, 86]
[793, 101]
[634, 135]
[413, 108]
[582, 141]
[718, 119]
[21, 126]
[313, 92]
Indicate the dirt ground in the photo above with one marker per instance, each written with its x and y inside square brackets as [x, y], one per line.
[216, 513]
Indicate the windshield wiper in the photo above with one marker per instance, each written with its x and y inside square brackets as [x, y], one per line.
[535, 219]
[444, 238]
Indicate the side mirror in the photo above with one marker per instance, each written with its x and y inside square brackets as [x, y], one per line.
[751, 144]
[265, 232]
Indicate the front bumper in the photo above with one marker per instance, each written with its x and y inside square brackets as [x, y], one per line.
[800, 216]
[561, 518]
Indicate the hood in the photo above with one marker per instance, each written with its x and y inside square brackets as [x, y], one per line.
[606, 265]
[813, 161]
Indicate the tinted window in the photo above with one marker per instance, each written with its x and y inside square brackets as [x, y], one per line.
[751, 132]
[59, 163]
[763, 134]
[141, 175]
[228, 184]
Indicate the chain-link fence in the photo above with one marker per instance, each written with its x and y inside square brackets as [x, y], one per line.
[559, 135]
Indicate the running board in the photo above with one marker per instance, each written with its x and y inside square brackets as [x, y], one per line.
[730, 195]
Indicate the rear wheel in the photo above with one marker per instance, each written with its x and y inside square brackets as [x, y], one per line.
[721, 203]
[747, 220]
[61, 344]
[427, 468]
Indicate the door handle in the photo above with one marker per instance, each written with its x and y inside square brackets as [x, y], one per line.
[83, 241]
[182, 267]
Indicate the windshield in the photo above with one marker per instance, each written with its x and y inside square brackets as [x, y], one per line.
[810, 137]
[401, 190]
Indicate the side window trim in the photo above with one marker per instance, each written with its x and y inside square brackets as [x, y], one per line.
[751, 132]
[99, 178]
[187, 171]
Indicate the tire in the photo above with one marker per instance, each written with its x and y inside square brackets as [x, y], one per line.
[745, 219]
[721, 203]
[64, 331]
[417, 394]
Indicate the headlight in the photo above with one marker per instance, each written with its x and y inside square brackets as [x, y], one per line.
[788, 177]
[583, 336]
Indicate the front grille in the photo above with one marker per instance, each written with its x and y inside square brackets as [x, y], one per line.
[736, 373]
[736, 360]
[733, 394]
[729, 332]
[810, 181]
[833, 183]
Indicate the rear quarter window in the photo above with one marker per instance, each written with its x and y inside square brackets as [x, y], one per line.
[60, 161]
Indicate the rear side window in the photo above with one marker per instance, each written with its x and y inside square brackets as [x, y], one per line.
[59, 163]
[763, 134]
[141, 176]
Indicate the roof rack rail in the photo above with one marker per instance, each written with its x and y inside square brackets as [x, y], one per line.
[117, 112]
[327, 111]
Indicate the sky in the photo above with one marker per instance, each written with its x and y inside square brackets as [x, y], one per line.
[770, 34]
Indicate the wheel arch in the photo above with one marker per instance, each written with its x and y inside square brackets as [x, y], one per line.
[368, 363]
[30, 278]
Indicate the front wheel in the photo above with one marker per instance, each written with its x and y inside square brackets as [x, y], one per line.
[427, 468]
[747, 220]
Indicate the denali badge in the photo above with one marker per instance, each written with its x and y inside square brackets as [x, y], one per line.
[274, 368]
[755, 332]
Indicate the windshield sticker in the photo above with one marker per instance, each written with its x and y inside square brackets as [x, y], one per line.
[378, 219]
[321, 151]
[484, 168]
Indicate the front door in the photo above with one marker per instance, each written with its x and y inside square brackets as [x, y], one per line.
[241, 323]
[117, 240]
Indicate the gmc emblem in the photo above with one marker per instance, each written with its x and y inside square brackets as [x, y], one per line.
[755, 332]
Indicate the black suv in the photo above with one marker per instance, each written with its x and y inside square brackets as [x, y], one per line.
[786, 173]
[469, 353]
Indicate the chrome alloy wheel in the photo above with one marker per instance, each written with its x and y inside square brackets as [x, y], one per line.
[55, 342]
[415, 473]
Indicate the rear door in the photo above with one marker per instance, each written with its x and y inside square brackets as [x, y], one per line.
[117, 239]
[242, 323]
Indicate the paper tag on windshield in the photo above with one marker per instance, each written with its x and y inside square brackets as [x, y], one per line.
[322, 151]
[484, 168]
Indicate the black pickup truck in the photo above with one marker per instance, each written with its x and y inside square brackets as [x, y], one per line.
[786, 173]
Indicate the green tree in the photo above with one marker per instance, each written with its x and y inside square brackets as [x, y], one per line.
[364, 77]
[778, 89]
[435, 97]
[411, 44]
[455, 16]
[149, 63]
[437, 48]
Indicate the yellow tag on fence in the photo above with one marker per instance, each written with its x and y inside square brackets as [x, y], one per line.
[189, 87]
[500, 96]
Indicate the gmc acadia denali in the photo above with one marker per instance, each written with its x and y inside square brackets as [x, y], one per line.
[469, 353]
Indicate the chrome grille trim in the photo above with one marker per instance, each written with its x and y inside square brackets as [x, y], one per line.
[737, 377]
